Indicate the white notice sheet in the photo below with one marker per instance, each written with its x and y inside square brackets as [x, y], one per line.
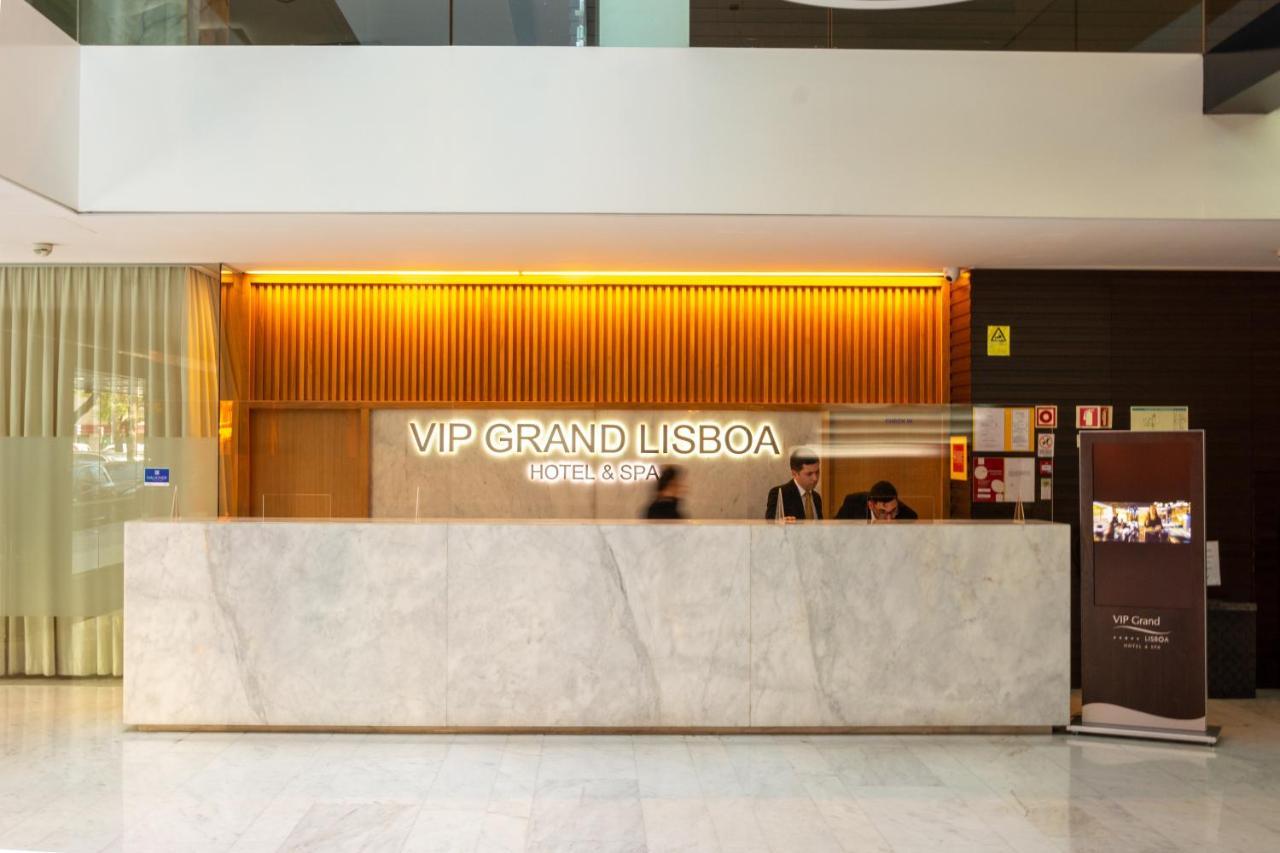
[1020, 480]
[1021, 434]
[988, 430]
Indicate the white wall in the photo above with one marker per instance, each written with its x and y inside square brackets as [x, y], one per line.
[666, 130]
[39, 103]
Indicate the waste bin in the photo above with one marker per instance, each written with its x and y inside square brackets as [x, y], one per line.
[1232, 649]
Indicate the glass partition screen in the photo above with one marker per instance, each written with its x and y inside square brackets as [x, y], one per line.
[108, 414]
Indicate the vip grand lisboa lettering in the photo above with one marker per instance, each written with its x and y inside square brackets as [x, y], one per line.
[562, 451]
[515, 461]
[441, 437]
[501, 437]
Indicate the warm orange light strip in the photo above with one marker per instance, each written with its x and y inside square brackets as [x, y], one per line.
[594, 277]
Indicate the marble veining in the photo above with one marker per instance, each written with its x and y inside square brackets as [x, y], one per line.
[963, 627]
[598, 625]
[284, 624]
[581, 624]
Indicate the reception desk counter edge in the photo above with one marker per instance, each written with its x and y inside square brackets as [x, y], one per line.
[468, 625]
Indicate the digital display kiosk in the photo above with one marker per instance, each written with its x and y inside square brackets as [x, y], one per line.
[1142, 590]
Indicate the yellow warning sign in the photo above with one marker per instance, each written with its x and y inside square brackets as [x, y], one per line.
[997, 340]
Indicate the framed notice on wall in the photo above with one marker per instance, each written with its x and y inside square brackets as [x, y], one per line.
[1142, 585]
[1003, 430]
[1158, 418]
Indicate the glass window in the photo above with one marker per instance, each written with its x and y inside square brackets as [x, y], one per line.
[107, 371]
[520, 22]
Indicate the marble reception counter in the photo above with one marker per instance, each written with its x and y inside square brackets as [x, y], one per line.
[717, 625]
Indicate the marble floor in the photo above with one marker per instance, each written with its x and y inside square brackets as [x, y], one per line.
[72, 779]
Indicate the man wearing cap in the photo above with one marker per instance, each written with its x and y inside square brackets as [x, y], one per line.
[879, 504]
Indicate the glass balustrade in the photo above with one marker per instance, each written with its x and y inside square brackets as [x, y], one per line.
[1036, 25]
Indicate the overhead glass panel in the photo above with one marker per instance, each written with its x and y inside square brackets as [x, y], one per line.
[61, 12]
[560, 23]
[1054, 25]
[401, 22]
[138, 22]
[328, 22]
[1175, 26]
[1224, 18]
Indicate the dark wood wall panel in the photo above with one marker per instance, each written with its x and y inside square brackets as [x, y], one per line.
[1205, 340]
[1264, 394]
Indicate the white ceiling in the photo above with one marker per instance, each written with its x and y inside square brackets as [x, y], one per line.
[631, 242]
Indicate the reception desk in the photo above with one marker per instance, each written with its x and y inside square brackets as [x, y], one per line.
[546, 625]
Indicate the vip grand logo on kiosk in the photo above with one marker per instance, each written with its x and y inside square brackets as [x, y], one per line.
[566, 450]
[1139, 632]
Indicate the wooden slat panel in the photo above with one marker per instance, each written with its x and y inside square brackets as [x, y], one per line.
[308, 463]
[600, 344]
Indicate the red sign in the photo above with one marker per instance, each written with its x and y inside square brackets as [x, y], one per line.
[1046, 467]
[1046, 417]
[1093, 417]
[988, 479]
[959, 457]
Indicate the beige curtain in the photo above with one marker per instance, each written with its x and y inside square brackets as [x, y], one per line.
[104, 371]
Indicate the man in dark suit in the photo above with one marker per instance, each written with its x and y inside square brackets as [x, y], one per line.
[799, 500]
[880, 504]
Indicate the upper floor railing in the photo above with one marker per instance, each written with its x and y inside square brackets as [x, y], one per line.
[1037, 25]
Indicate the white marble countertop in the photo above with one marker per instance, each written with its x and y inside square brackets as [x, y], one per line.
[472, 623]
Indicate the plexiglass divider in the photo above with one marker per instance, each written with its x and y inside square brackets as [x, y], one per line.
[296, 505]
[158, 502]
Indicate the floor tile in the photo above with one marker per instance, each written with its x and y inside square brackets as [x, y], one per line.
[72, 779]
[333, 827]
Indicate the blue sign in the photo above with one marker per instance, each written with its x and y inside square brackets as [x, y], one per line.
[155, 476]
